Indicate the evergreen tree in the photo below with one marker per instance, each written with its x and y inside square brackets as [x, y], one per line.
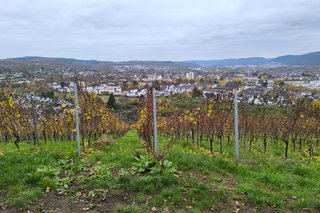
[111, 102]
[195, 92]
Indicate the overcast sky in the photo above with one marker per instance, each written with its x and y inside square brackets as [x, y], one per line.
[158, 29]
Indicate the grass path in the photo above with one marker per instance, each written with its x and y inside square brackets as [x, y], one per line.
[51, 178]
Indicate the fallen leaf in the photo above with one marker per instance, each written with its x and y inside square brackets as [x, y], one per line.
[166, 210]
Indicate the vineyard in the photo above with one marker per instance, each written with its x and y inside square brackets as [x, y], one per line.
[297, 124]
[192, 167]
[33, 119]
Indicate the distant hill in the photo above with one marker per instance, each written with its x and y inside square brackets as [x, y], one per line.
[231, 61]
[68, 62]
[36, 59]
[306, 59]
[309, 59]
[90, 64]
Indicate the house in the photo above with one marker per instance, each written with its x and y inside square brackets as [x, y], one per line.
[180, 88]
[190, 75]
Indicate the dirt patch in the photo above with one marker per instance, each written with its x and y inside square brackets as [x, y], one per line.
[249, 163]
[199, 176]
[232, 201]
[228, 182]
[225, 181]
[52, 202]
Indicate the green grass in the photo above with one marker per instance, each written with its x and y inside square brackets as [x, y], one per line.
[205, 182]
[127, 209]
[19, 178]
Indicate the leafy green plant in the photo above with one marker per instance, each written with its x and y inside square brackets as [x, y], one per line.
[102, 193]
[63, 184]
[101, 171]
[143, 165]
[149, 166]
[100, 175]
[167, 167]
[49, 171]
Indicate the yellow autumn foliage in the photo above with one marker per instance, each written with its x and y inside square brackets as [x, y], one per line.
[10, 102]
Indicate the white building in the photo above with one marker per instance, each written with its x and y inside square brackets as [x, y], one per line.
[159, 77]
[190, 75]
[115, 89]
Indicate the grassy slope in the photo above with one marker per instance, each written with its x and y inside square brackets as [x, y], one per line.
[100, 180]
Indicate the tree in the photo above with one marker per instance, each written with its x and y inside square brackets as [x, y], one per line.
[156, 85]
[264, 83]
[111, 102]
[195, 92]
[281, 83]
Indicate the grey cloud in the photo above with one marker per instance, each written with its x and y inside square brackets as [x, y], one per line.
[158, 29]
